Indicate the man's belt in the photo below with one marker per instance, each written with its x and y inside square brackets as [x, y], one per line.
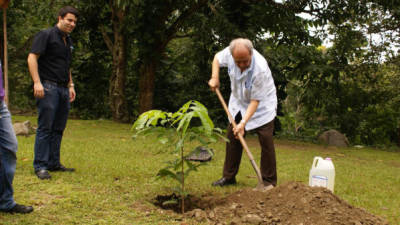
[56, 83]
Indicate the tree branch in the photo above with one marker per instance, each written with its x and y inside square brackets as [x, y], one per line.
[106, 38]
[171, 31]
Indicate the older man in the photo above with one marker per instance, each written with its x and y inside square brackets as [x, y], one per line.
[252, 103]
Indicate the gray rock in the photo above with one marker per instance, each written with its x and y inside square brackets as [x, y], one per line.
[200, 154]
[24, 128]
[333, 138]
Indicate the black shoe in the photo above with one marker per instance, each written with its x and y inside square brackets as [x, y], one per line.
[43, 174]
[62, 168]
[19, 209]
[224, 182]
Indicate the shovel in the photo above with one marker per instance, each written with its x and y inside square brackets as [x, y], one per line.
[260, 185]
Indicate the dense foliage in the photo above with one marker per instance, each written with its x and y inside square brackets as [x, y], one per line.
[132, 56]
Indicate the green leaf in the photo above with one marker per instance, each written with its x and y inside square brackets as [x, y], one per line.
[140, 122]
[179, 176]
[155, 115]
[202, 113]
[185, 122]
[177, 116]
[190, 165]
[170, 202]
[178, 164]
[147, 119]
[202, 141]
[167, 173]
[179, 145]
[222, 137]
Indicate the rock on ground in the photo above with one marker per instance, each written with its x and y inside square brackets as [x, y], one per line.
[23, 128]
[334, 138]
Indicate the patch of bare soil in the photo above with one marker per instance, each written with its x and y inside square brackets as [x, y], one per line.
[291, 203]
[173, 202]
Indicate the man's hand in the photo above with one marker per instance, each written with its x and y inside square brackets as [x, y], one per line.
[213, 83]
[239, 130]
[72, 94]
[38, 90]
[251, 109]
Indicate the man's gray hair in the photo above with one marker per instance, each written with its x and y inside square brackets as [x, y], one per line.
[241, 41]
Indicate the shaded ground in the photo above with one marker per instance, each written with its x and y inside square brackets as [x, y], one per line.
[290, 203]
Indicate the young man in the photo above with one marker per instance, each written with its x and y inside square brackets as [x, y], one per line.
[49, 65]
[8, 159]
[252, 103]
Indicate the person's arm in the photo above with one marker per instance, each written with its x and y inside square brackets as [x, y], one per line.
[251, 109]
[214, 81]
[38, 90]
[71, 87]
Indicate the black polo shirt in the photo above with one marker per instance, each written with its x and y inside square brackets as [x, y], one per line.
[55, 56]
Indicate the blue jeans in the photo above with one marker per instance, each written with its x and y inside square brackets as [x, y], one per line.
[8, 158]
[53, 111]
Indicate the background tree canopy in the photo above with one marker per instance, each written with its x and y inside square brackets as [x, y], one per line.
[133, 56]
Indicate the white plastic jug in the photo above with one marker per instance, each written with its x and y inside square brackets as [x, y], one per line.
[322, 173]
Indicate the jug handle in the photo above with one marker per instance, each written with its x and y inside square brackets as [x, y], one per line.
[317, 158]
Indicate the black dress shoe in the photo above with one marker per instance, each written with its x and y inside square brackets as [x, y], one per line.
[19, 209]
[61, 168]
[223, 182]
[43, 174]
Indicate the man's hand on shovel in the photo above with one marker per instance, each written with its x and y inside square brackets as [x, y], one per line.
[239, 130]
[213, 83]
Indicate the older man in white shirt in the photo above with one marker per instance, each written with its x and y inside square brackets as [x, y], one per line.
[253, 102]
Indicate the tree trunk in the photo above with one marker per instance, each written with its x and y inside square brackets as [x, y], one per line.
[117, 80]
[146, 85]
[118, 76]
[149, 66]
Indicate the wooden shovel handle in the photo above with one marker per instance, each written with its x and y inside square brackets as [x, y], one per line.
[242, 141]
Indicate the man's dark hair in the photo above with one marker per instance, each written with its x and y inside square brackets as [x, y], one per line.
[68, 9]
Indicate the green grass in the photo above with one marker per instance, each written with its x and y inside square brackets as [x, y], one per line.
[115, 178]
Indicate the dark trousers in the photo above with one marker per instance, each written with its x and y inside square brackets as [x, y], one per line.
[53, 112]
[234, 151]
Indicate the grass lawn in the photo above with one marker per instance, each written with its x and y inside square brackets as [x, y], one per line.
[115, 178]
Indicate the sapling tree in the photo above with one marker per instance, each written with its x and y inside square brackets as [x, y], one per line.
[190, 123]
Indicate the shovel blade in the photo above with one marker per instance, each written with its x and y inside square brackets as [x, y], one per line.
[262, 187]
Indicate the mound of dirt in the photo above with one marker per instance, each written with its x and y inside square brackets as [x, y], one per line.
[290, 203]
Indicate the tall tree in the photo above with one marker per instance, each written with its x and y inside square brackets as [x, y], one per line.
[118, 48]
[149, 24]
[110, 20]
[159, 23]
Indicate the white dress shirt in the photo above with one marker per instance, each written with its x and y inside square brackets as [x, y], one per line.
[255, 83]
